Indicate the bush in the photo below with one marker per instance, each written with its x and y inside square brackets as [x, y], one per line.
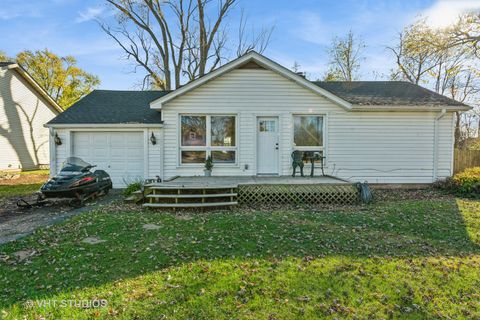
[132, 187]
[447, 184]
[468, 181]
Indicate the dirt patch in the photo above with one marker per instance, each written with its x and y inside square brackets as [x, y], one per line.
[24, 254]
[414, 194]
[184, 217]
[150, 226]
[16, 222]
[9, 207]
[93, 240]
[15, 179]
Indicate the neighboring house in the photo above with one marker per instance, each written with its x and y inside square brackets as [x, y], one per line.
[250, 115]
[24, 109]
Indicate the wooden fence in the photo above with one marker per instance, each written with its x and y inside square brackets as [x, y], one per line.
[464, 159]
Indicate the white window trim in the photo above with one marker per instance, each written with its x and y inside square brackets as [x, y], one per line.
[207, 148]
[322, 148]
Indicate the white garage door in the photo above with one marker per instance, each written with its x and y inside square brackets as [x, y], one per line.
[118, 153]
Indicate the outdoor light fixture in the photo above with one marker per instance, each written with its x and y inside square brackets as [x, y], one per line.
[153, 140]
[57, 140]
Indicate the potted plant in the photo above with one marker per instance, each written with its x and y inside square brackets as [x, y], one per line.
[208, 166]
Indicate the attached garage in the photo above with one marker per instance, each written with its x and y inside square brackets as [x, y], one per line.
[121, 154]
[114, 130]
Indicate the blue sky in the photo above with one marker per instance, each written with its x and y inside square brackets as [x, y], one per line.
[303, 30]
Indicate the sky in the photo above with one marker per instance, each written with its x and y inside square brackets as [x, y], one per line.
[303, 31]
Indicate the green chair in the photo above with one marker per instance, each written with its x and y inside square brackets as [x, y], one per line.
[297, 161]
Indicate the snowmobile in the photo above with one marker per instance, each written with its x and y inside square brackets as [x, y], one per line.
[75, 181]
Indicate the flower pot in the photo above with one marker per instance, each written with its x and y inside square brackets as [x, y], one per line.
[208, 173]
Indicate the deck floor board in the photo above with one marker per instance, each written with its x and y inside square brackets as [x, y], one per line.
[200, 181]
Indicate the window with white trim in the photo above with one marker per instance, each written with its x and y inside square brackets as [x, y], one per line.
[308, 134]
[208, 135]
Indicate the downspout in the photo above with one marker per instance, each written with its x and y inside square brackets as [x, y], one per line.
[435, 143]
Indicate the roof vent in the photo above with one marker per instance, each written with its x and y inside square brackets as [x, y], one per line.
[301, 74]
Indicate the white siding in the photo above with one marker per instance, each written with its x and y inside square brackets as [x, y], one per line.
[62, 151]
[23, 112]
[380, 147]
[386, 147]
[155, 154]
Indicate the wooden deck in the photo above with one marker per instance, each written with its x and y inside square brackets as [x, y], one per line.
[199, 191]
[235, 181]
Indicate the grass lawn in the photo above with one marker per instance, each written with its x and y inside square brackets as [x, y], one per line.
[35, 172]
[7, 191]
[406, 258]
[27, 182]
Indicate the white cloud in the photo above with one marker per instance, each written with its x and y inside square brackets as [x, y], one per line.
[5, 15]
[90, 13]
[446, 12]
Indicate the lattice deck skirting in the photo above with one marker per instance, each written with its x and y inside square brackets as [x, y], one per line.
[298, 194]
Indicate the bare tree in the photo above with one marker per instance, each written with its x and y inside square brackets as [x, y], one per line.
[414, 55]
[345, 58]
[176, 40]
[296, 67]
[424, 56]
[248, 41]
[466, 32]
[462, 84]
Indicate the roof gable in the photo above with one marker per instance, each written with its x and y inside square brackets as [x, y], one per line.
[24, 74]
[248, 61]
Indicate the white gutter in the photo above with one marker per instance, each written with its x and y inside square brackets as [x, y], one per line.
[409, 108]
[435, 143]
[105, 125]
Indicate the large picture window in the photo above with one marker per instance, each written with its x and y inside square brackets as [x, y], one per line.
[208, 135]
[308, 135]
[308, 131]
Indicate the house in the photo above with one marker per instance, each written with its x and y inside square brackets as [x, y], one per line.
[24, 109]
[250, 115]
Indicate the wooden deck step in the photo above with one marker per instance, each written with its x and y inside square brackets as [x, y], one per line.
[190, 187]
[190, 205]
[190, 196]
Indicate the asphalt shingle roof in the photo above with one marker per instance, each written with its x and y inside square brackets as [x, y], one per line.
[392, 93]
[119, 107]
[112, 107]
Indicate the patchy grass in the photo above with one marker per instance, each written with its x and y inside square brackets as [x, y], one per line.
[35, 172]
[409, 258]
[7, 191]
[32, 177]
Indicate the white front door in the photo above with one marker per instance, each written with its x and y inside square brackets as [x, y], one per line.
[267, 145]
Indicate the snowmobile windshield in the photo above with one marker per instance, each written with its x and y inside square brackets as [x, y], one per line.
[74, 165]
